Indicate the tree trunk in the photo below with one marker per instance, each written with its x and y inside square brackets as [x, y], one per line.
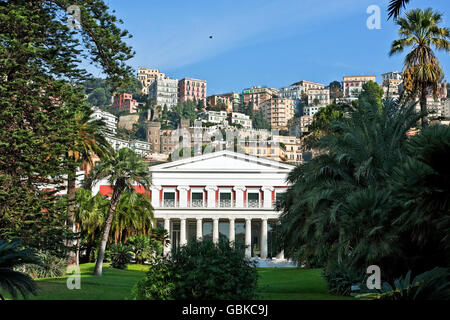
[78, 229]
[71, 178]
[423, 105]
[112, 209]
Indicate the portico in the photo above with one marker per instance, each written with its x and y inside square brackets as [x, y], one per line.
[220, 194]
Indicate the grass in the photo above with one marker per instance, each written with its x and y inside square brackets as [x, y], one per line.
[293, 284]
[114, 284]
[274, 284]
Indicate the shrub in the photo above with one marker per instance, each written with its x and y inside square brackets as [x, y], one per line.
[341, 278]
[50, 266]
[201, 271]
[430, 285]
[208, 271]
[120, 255]
[144, 248]
[158, 283]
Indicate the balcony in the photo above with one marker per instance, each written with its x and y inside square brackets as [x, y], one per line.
[200, 204]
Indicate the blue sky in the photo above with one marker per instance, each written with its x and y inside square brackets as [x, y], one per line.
[261, 42]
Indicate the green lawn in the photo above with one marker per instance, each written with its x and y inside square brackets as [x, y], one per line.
[274, 283]
[114, 284]
[293, 284]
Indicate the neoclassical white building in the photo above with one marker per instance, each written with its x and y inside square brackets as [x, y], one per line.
[219, 194]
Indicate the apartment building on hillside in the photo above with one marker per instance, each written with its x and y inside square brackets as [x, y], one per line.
[278, 111]
[191, 89]
[164, 92]
[147, 76]
[257, 95]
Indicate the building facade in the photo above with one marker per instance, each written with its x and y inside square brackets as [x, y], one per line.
[164, 92]
[216, 99]
[109, 119]
[257, 95]
[236, 99]
[191, 89]
[241, 119]
[352, 85]
[319, 97]
[147, 76]
[278, 111]
[217, 195]
[124, 102]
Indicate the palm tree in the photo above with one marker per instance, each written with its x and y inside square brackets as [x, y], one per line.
[420, 30]
[123, 170]
[395, 6]
[89, 215]
[134, 215]
[338, 207]
[11, 281]
[88, 142]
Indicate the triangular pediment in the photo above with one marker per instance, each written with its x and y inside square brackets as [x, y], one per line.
[223, 161]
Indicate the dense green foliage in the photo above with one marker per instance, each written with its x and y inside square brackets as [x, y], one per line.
[159, 283]
[341, 278]
[14, 282]
[144, 248]
[373, 196]
[208, 271]
[201, 270]
[120, 255]
[50, 266]
[123, 171]
[430, 285]
[40, 59]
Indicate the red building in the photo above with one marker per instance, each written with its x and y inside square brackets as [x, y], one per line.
[191, 89]
[124, 101]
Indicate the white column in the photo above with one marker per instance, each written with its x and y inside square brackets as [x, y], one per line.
[211, 196]
[264, 239]
[267, 196]
[182, 232]
[155, 196]
[199, 228]
[239, 196]
[183, 201]
[231, 234]
[167, 227]
[248, 238]
[215, 230]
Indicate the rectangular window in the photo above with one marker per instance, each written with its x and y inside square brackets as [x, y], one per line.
[225, 199]
[197, 199]
[169, 199]
[253, 199]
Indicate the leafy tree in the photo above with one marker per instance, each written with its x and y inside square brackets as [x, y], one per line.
[122, 171]
[201, 270]
[88, 141]
[371, 94]
[189, 111]
[335, 90]
[260, 121]
[11, 281]
[40, 88]
[420, 30]
[98, 97]
[134, 215]
[340, 206]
